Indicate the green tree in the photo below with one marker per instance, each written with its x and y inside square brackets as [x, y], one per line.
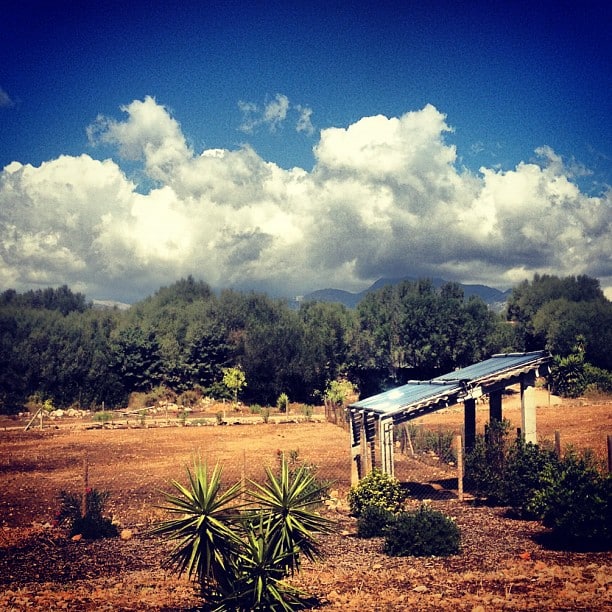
[235, 380]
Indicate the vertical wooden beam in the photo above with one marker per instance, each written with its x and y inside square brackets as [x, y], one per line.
[458, 442]
[495, 406]
[469, 414]
[355, 450]
[386, 446]
[366, 449]
[528, 408]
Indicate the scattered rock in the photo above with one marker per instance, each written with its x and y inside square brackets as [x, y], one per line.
[126, 534]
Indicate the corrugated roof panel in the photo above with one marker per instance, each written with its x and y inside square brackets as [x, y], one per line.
[417, 394]
[493, 365]
[406, 395]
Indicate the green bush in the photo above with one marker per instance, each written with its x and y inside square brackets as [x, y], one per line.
[567, 375]
[576, 503]
[485, 463]
[525, 474]
[421, 533]
[104, 416]
[91, 525]
[373, 521]
[375, 489]
[282, 403]
[597, 379]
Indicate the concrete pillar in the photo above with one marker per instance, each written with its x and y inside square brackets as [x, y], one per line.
[528, 408]
[495, 406]
[469, 413]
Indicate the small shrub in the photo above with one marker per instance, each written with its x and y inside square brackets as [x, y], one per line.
[93, 524]
[576, 503]
[421, 533]
[525, 475]
[255, 409]
[104, 416]
[376, 489]
[282, 403]
[567, 375]
[189, 398]
[307, 411]
[485, 463]
[597, 379]
[265, 415]
[373, 521]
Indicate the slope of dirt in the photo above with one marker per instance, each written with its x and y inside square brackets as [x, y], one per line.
[502, 564]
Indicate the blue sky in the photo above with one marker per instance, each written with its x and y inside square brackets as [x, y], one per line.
[345, 141]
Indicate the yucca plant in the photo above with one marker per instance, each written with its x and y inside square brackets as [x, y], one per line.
[287, 502]
[207, 532]
[259, 572]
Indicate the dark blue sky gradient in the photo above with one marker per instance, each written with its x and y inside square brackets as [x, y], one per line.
[510, 76]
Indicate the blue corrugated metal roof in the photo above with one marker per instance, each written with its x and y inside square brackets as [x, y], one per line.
[494, 365]
[407, 395]
[418, 394]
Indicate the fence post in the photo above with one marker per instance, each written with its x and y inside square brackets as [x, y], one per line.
[85, 485]
[610, 453]
[459, 449]
[558, 443]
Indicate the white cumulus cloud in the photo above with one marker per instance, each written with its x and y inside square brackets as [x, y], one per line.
[385, 198]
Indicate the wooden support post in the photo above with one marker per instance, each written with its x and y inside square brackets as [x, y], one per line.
[366, 451]
[495, 406]
[386, 447]
[459, 451]
[469, 409]
[558, 443]
[528, 408]
[355, 451]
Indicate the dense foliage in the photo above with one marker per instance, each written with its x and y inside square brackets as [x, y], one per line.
[376, 489]
[55, 345]
[552, 313]
[571, 495]
[423, 532]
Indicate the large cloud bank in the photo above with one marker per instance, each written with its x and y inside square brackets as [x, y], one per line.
[385, 198]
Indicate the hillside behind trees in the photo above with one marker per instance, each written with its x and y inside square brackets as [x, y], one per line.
[54, 345]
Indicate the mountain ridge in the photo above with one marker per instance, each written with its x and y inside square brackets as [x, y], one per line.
[494, 298]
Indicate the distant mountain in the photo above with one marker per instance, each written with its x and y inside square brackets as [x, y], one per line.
[495, 298]
[110, 305]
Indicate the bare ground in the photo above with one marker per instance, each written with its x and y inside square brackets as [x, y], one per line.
[502, 566]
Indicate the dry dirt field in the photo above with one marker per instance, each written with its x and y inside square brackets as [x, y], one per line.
[502, 566]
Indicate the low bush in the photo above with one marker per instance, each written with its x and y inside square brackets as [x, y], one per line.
[597, 379]
[375, 489]
[282, 403]
[373, 521]
[525, 476]
[576, 503]
[485, 463]
[422, 533]
[91, 525]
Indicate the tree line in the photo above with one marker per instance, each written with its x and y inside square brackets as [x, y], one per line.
[55, 345]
